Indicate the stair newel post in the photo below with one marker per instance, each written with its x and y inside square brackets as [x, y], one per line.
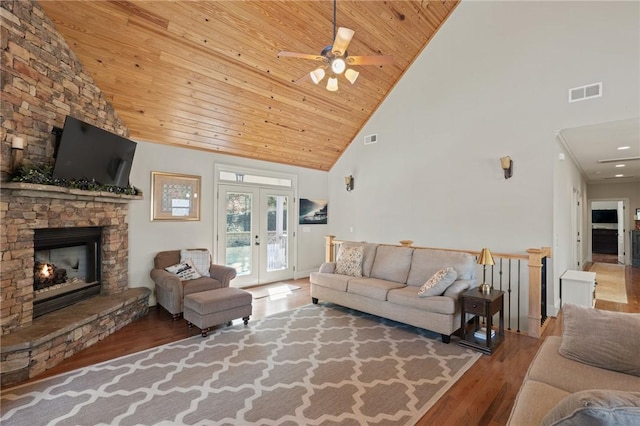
[329, 248]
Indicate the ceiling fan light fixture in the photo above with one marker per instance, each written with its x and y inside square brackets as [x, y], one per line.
[351, 75]
[342, 40]
[338, 65]
[332, 84]
[317, 75]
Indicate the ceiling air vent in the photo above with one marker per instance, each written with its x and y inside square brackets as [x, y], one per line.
[585, 92]
[368, 140]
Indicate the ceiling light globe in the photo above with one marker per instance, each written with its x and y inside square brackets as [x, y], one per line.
[351, 75]
[317, 75]
[332, 84]
[338, 65]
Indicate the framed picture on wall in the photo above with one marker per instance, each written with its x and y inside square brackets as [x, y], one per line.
[175, 196]
[312, 212]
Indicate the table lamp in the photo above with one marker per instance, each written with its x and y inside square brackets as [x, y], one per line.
[485, 259]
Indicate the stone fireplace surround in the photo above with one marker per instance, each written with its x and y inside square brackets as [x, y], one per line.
[30, 346]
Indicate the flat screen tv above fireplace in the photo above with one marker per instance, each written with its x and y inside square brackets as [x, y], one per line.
[88, 152]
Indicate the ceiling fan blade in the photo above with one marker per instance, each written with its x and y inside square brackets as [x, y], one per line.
[343, 38]
[302, 79]
[370, 60]
[301, 55]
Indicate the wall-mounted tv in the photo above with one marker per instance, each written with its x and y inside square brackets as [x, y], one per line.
[604, 216]
[88, 152]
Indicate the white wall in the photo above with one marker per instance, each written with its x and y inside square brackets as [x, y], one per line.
[147, 237]
[492, 82]
[567, 179]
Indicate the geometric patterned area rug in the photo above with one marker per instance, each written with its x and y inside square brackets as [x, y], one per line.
[316, 365]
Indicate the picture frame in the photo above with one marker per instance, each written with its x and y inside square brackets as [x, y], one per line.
[175, 196]
[313, 212]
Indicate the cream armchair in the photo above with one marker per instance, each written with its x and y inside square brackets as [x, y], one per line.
[170, 290]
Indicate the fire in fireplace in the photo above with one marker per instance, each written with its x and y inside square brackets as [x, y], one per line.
[66, 268]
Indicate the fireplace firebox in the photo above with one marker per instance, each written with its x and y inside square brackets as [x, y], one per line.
[66, 267]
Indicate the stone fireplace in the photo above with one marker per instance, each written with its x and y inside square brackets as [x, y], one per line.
[62, 249]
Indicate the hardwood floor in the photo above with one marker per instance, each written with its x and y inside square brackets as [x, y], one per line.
[483, 396]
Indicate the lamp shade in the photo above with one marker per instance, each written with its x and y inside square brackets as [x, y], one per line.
[317, 75]
[332, 84]
[351, 75]
[485, 257]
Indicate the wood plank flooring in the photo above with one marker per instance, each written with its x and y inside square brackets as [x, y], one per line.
[483, 396]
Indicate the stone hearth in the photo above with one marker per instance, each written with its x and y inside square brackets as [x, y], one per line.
[29, 347]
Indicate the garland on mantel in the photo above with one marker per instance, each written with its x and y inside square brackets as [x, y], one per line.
[43, 175]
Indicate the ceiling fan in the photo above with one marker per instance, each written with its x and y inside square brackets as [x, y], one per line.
[335, 58]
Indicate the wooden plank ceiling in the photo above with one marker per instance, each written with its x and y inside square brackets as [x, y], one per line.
[206, 75]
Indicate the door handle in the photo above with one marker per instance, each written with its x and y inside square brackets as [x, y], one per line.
[257, 243]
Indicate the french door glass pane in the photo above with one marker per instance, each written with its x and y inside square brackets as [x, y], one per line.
[277, 236]
[238, 248]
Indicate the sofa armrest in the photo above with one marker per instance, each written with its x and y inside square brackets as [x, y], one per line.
[458, 287]
[328, 267]
[168, 281]
[222, 273]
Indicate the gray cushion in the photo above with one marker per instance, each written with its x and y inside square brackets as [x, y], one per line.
[438, 283]
[604, 339]
[392, 263]
[596, 407]
[427, 262]
[372, 287]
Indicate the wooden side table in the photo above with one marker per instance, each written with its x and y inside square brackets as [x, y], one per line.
[486, 305]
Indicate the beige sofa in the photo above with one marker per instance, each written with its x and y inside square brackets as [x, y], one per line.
[391, 279]
[587, 376]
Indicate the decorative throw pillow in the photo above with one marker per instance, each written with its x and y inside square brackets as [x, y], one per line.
[438, 283]
[201, 259]
[596, 407]
[604, 339]
[350, 261]
[185, 271]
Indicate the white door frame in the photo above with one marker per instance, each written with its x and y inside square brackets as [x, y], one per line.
[626, 240]
[258, 178]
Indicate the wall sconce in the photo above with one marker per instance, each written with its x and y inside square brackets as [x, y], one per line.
[485, 259]
[348, 181]
[17, 152]
[507, 166]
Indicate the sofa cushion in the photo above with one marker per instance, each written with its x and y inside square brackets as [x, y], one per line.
[534, 400]
[333, 281]
[552, 368]
[408, 296]
[596, 407]
[438, 283]
[185, 271]
[392, 263]
[604, 339]
[372, 287]
[368, 256]
[200, 257]
[350, 261]
[200, 284]
[427, 262]
[458, 287]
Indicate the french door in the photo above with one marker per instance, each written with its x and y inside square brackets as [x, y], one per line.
[255, 233]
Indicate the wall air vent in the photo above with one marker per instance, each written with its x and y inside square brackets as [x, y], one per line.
[585, 92]
[368, 140]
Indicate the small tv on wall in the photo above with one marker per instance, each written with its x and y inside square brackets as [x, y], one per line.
[88, 152]
[604, 216]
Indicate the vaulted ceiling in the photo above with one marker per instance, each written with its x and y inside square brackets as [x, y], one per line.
[205, 74]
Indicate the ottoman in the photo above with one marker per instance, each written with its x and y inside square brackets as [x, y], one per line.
[208, 308]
